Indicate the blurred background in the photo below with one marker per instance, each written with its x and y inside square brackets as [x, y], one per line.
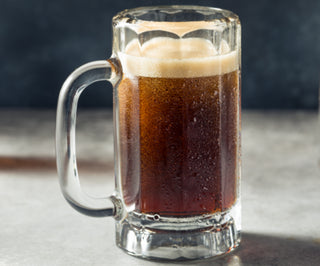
[42, 42]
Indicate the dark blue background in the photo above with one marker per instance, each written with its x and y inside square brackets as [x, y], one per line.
[41, 42]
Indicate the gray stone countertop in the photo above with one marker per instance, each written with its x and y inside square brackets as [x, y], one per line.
[280, 192]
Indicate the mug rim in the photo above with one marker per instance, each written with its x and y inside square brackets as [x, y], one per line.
[134, 15]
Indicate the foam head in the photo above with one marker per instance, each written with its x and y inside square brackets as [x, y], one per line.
[176, 58]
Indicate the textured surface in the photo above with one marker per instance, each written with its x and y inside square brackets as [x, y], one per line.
[280, 193]
[43, 41]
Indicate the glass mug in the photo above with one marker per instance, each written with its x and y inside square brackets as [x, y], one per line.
[175, 71]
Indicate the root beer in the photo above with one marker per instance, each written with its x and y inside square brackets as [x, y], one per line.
[179, 127]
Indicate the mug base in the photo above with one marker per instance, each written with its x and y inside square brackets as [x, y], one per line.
[187, 238]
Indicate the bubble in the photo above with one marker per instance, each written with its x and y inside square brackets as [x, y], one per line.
[173, 147]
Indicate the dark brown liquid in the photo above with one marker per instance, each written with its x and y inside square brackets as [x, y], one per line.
[179, 143]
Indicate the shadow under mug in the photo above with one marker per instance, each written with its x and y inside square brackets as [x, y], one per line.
[175, 71]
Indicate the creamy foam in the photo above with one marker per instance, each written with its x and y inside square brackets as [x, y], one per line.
[175, 58]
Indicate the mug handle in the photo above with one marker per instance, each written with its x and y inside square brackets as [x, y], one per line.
[65, 138]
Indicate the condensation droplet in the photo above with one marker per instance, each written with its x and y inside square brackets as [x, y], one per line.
[156, 217]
